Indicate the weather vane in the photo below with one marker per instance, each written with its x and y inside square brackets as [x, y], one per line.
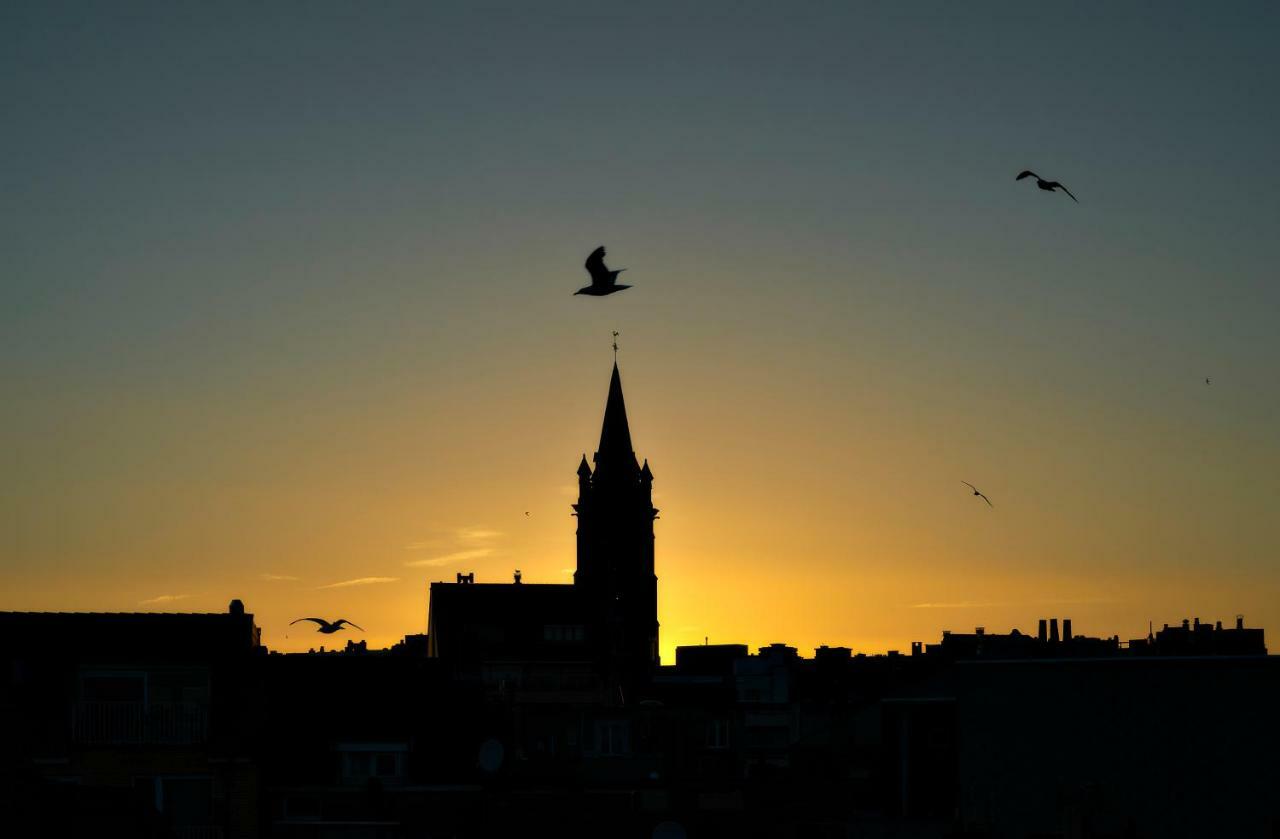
[615, 345]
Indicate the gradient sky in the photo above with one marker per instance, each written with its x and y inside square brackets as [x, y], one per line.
[286, 308]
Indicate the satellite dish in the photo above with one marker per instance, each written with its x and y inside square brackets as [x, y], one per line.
[490, 757]
[669, 830]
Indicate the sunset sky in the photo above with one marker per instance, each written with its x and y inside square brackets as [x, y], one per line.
[286, 309]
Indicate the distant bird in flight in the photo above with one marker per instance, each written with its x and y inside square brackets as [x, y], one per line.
[603, 281]
[1047, 186]
[977, 493]
[1206, 380]
[326, 627]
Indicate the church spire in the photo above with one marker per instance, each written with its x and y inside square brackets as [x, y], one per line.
[615, 434]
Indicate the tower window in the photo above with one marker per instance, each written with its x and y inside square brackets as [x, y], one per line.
[564, 633]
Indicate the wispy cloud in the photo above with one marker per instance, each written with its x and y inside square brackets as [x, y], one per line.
[978, 604]
[277, 577]
[459, 545]
[361, 581]
[477, 534]
[456, 556]
[163, 598]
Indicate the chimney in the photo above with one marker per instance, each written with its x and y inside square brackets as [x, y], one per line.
[236, 607]
[979, 630]
[1053, 630]
[1043, 633]
[1186, 624]
[517, 577]
[1196, 625]
[1239, 621]
[1066, 629]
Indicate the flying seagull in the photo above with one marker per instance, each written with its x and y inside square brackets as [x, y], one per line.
[1206, 380]
[1047, 186]
[603, 281]
[326, 627]
[977, 493]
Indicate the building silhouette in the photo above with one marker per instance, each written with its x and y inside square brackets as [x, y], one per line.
[534, 709]
[603, 628]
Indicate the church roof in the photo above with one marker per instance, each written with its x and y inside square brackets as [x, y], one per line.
[615, 433]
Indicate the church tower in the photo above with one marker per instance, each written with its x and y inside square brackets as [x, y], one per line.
[615, 546]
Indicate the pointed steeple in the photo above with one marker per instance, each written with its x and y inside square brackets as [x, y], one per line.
[615, 434]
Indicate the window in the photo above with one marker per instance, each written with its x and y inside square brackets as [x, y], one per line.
[561, 633]
[302, 807]
[386, 765]
[182, 802]
[613, 738]
[113, 687]
[361, 762]
[718, 734]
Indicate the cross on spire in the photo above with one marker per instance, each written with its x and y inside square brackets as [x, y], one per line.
[615, 346]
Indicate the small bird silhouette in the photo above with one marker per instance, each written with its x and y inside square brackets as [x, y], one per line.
[603, 281]
[326, 627]
[1047, 186]
[1206, 380]
[977, 493]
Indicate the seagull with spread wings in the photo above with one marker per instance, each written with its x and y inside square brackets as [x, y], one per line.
[1047, 186]
[326, 627]
[977, 493]
[603, 280]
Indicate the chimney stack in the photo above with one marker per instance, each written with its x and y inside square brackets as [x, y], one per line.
[1053, 630]
[1239, 621]
[1066, 629]
[1043, 633]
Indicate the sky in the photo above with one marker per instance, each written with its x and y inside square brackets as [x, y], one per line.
[286, 309]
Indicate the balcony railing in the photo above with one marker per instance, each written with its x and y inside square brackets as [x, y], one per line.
[123, 723]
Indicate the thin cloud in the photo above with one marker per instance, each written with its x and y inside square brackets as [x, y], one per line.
[361, 581]
[163, 598]
[975, 604]
[278, 577]
[459, 545]
[456, 556]
[477, 534]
